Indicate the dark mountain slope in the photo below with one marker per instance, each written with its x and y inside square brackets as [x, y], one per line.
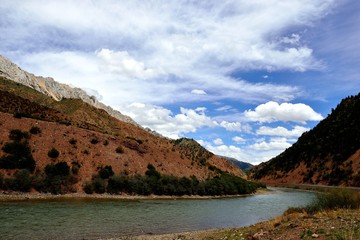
[328, 154]
[243, 165]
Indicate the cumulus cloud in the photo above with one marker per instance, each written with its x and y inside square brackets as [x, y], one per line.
[273, 144]
[238, 139]
[281, 131]
[273, 111]
[218, 141]
[122, 63]
[246, 154]
[224, 150]
[198, 92]
[236, 126]
[163, 121]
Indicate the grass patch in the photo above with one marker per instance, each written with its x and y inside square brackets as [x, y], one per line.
[334, 199]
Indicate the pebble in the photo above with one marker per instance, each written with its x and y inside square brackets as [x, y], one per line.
[315, 235]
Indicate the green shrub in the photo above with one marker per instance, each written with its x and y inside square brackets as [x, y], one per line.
[22, 180]
[94, 141]
[18, 156]
[53, 184]
[53, 153]
[17, 135]
[73, 141]
[99, 185]
[105, 172]
[59, 169]
[38, 183]
[35, 130]
[151, 172]
[88, 188]
[118, 184]
[119, 150]
[57, 180]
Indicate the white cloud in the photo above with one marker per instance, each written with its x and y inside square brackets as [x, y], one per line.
[236, 126]
[198, 92]
[218, 141]
[293, 39]
[165, 122]
[238, 139]
[274, 144]
[122, 63]
[250, 155]
[176, 47]
[281, 131]
[224, 150]
[272, 111]
[225, 108]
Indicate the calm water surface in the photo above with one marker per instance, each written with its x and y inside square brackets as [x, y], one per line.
[93, 219]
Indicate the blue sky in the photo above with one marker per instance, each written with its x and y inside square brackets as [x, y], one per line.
[244, 78]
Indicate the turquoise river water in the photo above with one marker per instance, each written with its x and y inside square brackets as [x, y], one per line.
[94, 219]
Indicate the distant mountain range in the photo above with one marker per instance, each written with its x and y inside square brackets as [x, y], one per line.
[243, 165]
[328, 154]
[47, 127]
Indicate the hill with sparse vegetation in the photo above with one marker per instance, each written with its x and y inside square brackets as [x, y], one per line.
[66, 146]
[328, 154]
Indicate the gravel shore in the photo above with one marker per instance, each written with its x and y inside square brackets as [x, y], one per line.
[18, 196]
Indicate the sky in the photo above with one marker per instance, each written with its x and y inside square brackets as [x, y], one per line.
[245, 78]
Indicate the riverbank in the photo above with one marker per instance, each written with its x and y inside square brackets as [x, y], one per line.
[332, 224]
[19, 196]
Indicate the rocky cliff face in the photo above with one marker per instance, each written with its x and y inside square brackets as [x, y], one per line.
[53, 89]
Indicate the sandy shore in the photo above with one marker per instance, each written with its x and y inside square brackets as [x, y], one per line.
[18, 196]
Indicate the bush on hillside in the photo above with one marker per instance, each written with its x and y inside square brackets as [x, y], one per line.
[105, 172]
[17, 135]
[35, 130]
[18, 154]
[72, 141]
[53, 153]
[20, 182]
[60, 169]
[119, 150]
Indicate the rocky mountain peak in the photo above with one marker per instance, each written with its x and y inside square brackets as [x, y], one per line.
[53, 89]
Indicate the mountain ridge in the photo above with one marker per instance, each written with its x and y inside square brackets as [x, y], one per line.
[328, 154]
[53, 89]
[245, 166]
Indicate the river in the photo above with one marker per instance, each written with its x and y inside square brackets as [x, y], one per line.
[93, 218]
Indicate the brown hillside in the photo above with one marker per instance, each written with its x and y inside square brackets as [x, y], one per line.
[329, 154]
[89, 136]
